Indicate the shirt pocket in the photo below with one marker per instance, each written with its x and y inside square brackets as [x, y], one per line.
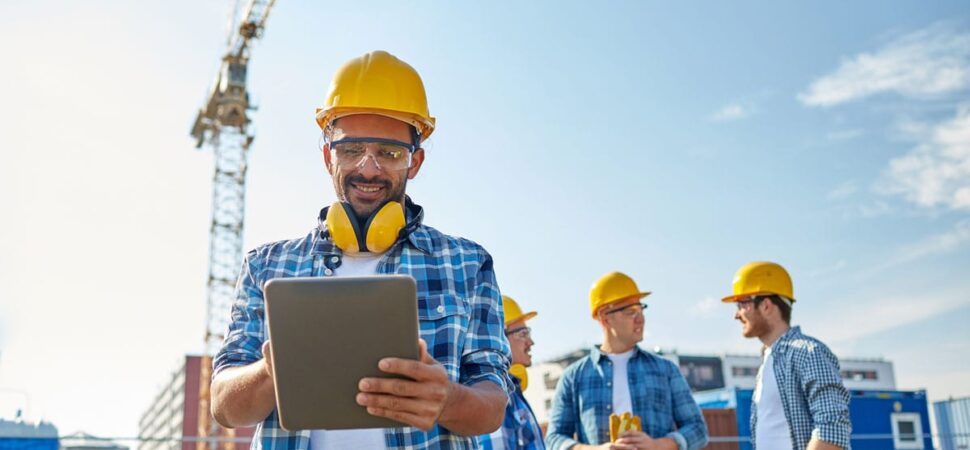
[444, 319]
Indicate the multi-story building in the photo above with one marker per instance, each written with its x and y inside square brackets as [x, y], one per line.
[953, 423]
[172, 421]
[706, 372]
[83, 441]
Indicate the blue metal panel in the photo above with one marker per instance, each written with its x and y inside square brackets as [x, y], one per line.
[870, 413]
[28, 444]
[953, 423]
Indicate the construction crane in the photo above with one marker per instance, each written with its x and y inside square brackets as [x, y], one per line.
[223, 125]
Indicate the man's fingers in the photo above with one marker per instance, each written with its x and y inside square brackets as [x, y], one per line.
[402, 388]
[425, 356]
[404, 417]
[394, 403]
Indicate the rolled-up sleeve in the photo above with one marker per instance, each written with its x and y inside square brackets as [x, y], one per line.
[827, 397]
[564, 417]
[486, 355]
[691, 431]
[246, 334]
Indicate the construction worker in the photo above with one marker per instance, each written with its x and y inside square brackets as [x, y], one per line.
[619, 377]
[374, 120]
[520, 429]
[799, 400]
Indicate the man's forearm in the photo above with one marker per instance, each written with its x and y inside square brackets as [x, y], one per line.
[243, 396]
[818, 444]
[473, 410]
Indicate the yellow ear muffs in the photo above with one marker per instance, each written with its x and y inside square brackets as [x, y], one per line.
[342, 224]
[384, 226]
[380, 231]
[518, 371]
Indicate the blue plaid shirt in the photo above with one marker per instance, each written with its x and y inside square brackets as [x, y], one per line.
[815, 401]
[459, 310]
[660, 395]
[519, 430]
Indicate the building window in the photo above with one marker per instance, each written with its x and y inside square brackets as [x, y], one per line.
[548, 404]
[550, 381]
[744, 372]
[907, 431]
[860, 375]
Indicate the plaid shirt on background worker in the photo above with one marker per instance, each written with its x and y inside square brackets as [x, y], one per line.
[815, 400]
[459, 310]
[519, 430]
[658, 391]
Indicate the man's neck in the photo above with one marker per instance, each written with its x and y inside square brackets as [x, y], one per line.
[769, 338]
[614, 347]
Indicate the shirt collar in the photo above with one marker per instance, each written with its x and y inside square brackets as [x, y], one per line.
[783, 340]
[597, 355]
[413, 231]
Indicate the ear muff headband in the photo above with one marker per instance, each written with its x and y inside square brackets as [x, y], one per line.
[379, 233]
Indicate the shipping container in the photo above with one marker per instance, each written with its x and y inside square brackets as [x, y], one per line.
[881, 420]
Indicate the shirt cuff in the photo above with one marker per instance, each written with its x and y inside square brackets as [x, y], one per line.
[679, 439]
[833, 434]
[567, 444]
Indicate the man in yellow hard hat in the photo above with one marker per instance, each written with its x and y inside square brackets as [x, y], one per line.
[619, 377]
[520, 429]
[374, 121]
[799, 400]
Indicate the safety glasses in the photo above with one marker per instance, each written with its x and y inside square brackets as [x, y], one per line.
[387, 153]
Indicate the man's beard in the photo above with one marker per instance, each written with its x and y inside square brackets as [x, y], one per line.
[364, 214]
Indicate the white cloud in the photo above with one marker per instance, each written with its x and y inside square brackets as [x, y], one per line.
[936, 172]
[883, 312]
[926, 63]
[843, 190]
[930, 246]
[731, 112]
[704, 307]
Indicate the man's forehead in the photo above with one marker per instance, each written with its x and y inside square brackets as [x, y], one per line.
[371, 125]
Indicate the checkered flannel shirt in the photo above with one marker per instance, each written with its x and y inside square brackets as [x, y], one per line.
[519, 431]
[459, 310]
[816, 402]
[661, 397]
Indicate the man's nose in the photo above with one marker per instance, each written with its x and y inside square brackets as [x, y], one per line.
[368, 166]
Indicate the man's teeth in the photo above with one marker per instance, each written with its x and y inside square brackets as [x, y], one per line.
[368, 188]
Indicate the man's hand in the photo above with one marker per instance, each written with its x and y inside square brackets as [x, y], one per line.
[418, 401]
[268, 360]
[638, 440]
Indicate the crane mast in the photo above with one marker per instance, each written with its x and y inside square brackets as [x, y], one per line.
[223, 125]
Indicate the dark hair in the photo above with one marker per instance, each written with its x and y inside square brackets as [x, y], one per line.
[782, 307]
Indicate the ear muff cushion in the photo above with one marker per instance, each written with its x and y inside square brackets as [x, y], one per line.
[384, 226]
[343, 228]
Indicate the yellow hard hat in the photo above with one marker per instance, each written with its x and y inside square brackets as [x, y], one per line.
[761, 277]
[378, 83]
[611, 288]
[513, 312]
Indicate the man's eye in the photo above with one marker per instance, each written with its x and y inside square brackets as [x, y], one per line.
[350, 150]
[390, 153]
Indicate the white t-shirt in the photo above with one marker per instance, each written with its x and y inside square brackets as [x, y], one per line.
[771, 431]
[367, 438]
[621, 382]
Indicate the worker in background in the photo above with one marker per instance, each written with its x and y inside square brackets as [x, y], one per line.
[520, 429]
[374, 120]
[799, 400]
[619, 377]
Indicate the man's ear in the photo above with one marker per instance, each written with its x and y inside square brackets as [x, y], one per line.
[417, 158]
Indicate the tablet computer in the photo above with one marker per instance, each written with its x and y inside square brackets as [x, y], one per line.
[328, 333]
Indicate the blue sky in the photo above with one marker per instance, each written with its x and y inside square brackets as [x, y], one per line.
[672, 142]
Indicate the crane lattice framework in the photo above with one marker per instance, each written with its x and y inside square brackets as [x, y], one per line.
[223, 124]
